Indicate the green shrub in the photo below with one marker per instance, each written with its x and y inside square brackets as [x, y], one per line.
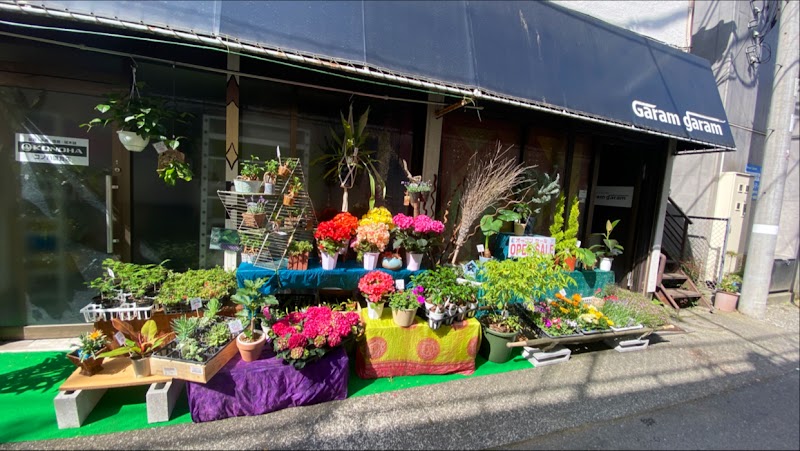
[643, 309]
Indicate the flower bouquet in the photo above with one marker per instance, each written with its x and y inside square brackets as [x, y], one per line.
[374, 285]
[371, 239]
[302, 337]
[417, 235]
[331, 236]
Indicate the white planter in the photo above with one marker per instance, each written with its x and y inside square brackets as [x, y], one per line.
[132, 141]
[328, 261]
[370, 260]
[435, 320]
[247, 186]
[605, 264]
[248, 258]
[484, 259]
[414, 261]
[374, 310]
[269, 188]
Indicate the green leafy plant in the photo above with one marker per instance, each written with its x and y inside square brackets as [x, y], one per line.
[185, 327]
[253, 300]
[731, 283]
[90, 344]
[489, 227]
[218, 335]
[300, 247]
[252, 169]
[271, 170]
[610, 247]
[417, 187]
[642, 308]
[140, 343]
[295, 185]
[197, 283]
[566, 240]
[403, 300]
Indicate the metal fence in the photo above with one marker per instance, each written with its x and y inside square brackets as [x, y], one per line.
[704, 255]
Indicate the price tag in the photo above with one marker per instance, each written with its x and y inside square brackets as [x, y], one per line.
[400, 284]
[563, 293]
[170, 371]
[160, 147]
[120, 338]
[235, 326]
[195, 303]
[480, 248]
[194, 369]
[111, 273]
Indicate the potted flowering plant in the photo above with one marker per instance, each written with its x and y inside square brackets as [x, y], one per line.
[371, 239]
[250, 174]
[417, 235]
[256, 214]
[298, 255]
[378, 215]
[86, 356]
[300, 338]
[404, 306]
[727, 295]
[374, 285]
[414, 191]
[558, 317]
[331, 236]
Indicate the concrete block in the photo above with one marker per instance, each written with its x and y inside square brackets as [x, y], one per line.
[538, 357]
[72, 407]
[627, 345]
[161, 399]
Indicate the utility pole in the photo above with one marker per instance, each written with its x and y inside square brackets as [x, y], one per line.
[781, 121]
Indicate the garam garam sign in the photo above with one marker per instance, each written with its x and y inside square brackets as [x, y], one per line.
[691, 120]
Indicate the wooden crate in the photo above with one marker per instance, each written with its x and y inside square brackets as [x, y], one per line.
[193, 371]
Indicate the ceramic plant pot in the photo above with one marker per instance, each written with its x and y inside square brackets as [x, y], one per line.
[494, 348]
[328, 261]
[374, 310]
[519, 228]
[392, 263]
[404, 318]
[132, 141]
[726, 301]
[250, 351]
[605, 264]
[141, 366]
[269, 188]
[371, 260]
[246, 186]
[414, 261]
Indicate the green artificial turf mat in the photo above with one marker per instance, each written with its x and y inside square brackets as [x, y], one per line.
[30, 381]
[361, 387]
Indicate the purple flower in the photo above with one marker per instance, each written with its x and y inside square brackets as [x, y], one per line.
[421, 299]
[548, 323]
[419, 289]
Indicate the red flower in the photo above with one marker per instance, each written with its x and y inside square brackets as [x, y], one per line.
[297, 340]
[346, 221]
[375, 284]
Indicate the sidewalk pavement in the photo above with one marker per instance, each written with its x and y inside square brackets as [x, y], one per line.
[721, 352]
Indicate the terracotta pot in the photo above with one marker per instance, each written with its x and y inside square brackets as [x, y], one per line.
[284, 171]
[251, 351]
[570, 261]
[725, 301]
[288, 200]
[298, 262]
[406, 199]
[255, 220]
[89, 366]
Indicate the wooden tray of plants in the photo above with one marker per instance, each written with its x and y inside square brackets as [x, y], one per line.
[203, 344]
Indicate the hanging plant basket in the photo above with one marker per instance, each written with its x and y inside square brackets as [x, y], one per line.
[168, 156]
[132, 141]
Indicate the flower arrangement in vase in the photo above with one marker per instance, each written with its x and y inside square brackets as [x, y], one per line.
[374, 285]
[86, 356]
[331, 237]
[302, 337]
[371, 239]
[417, 235]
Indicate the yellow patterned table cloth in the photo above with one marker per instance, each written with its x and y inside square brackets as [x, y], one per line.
[390, 350]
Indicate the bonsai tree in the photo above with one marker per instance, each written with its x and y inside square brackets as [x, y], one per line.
[253, 301]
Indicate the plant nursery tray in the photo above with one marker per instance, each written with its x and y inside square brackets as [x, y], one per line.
[622, 329]
[594, 331]
[190, 370]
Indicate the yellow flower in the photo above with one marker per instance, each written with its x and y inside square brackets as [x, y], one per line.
[95, 335]
[610, 323]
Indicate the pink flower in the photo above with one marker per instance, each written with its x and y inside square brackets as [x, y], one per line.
[375, 284]
[423, 224]
[334, 340]
[295, 317]
[403, 222]
[297, 340]
[282, 327]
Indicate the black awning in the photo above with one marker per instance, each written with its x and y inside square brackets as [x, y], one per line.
[534, 52]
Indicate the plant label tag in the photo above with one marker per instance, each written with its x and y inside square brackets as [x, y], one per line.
[160, 147]
[170, 371]
[480, 248]
[194, 369]
[400, 284]
[279, 154]
[120, 338]
[195, 303]
[111, 273]
[563, 293]
[235, 326]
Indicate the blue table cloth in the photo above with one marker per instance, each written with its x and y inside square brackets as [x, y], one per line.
[345, 276]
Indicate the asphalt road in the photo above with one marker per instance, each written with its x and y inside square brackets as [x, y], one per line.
[762, 415]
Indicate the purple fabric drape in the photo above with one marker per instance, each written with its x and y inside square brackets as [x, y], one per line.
[267, 385]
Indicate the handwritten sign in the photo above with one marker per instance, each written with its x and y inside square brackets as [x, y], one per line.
[195, 303]
[235, 326]
[120, 338]
[518, 244]
[400, 284]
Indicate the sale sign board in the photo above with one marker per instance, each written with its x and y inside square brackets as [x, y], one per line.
[518, 244]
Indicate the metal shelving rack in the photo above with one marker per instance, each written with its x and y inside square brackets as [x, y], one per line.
[298, 220]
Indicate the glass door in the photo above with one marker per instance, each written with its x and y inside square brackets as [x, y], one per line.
[57, 224]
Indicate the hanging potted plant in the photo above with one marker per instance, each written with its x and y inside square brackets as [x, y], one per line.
[86, 356]
[294, 188]
[256, 214]
[172, 164]
[610, 247]
[375, 285]
[250, 176]
[298, 255]
[138, 345]
[251, 341]
[270, 176]
[404, 306]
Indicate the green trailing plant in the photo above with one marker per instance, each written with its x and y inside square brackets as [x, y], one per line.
[171, 166]
[403, 300]
[140, 343]
[610, 247]
[253, 301]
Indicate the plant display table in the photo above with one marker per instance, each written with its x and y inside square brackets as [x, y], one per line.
[389, 350]
[345, 276]
[266, 385]
[79, 394]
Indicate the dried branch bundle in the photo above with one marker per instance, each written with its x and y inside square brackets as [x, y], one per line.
[488, 181]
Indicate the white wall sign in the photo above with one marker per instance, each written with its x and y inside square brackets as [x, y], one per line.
[517, 245]
[614, 196]
[31, 148]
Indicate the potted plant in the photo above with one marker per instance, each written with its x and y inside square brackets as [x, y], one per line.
[250, 176]
[256, 214]
[727, 295]
[414, 192]
[375, 285]
[518, 214]
[566, 240]
[286, 167]
[294, 188]
[489, 227]
[434, 288]
[298, 255]
[610, 247]
[404, 306]
[86, 356]
[418, 236]
[172, 164]
[371, 239]
[251, 341]
[138, 345]
[137, 119]
[251, 246]
[331, 237]
[270, 176]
